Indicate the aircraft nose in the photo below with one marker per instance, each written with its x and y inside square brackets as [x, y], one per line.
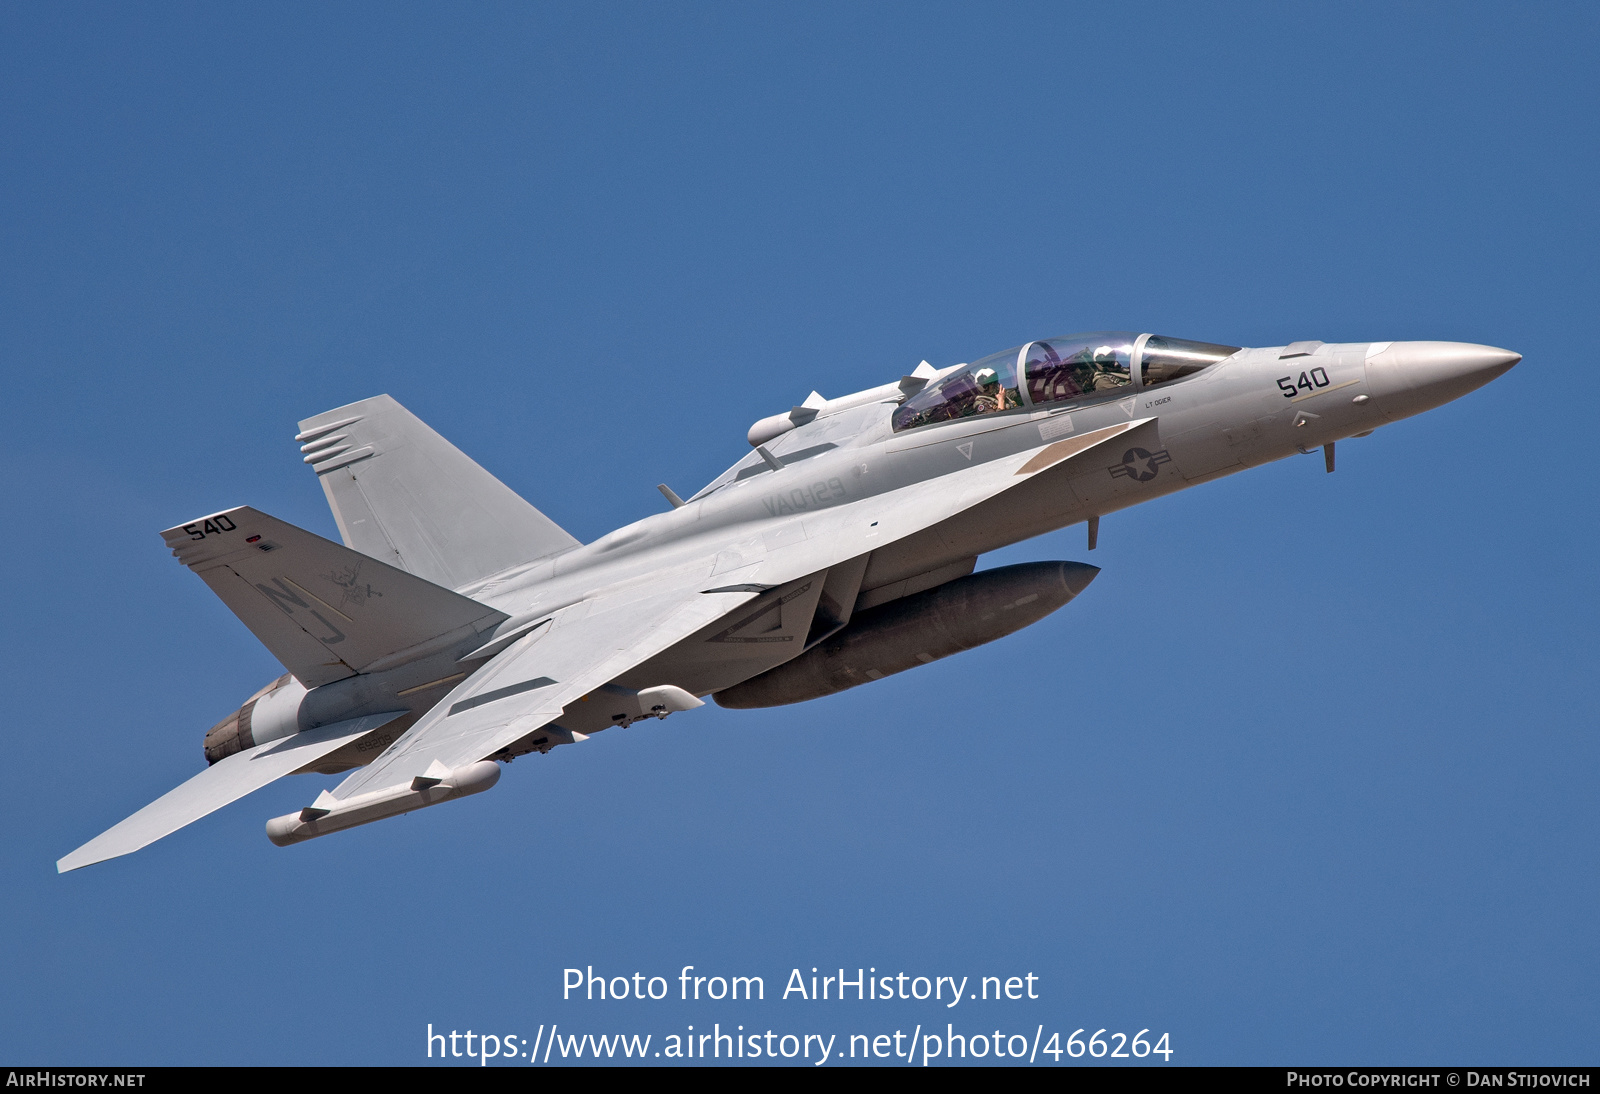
[1413, 376]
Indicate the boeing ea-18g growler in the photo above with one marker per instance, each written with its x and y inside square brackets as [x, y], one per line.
[458, 627]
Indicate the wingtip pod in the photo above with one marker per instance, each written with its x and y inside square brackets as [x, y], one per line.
[330, 814]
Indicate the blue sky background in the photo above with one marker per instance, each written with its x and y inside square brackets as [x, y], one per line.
[1306, 776]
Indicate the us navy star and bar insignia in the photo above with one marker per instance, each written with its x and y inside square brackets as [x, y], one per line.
[1139, 464]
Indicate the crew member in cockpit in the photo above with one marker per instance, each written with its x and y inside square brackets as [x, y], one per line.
[1096, 375]
[991, 396]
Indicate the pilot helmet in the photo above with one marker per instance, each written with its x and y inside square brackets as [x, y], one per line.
[985, 377]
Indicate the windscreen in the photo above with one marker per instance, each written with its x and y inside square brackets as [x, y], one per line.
[1166, 359]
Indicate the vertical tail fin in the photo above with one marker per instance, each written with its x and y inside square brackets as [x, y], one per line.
[406, 496]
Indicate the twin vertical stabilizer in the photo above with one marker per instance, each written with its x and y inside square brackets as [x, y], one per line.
[406, 496]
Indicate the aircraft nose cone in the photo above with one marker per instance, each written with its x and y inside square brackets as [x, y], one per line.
[1077, 575]
[1413, 376]
[1428, 363]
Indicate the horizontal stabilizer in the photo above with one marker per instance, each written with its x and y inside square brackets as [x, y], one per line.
[325, 611]
[225, 781]
[402, 493]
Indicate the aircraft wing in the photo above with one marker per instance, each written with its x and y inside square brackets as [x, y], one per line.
[226, 781]
[527, 685]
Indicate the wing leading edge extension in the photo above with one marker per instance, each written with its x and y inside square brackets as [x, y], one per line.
[874, 523]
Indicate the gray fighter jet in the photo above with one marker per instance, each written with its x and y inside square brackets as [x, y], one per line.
[457, 627]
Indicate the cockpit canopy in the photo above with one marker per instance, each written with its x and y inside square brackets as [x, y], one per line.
[1075, 367]
[1164, 359]
[1078, 365]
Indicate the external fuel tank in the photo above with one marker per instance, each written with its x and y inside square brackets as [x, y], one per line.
[916, 630]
